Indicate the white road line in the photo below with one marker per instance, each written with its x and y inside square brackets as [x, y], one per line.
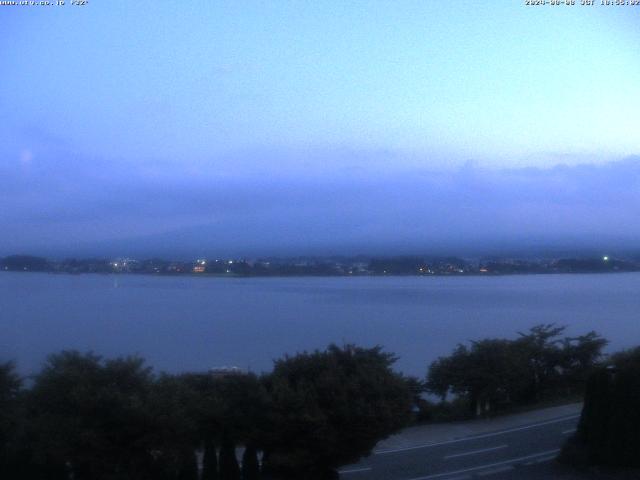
[539, 460]
[355, 470]
[567, 432]
[473, 452]
[476, 437]
[490, 465]
[545, 459]
[493, 471]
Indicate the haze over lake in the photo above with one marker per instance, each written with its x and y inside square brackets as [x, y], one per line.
[188, 323]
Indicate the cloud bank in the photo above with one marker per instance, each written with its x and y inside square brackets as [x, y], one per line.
[318, 201]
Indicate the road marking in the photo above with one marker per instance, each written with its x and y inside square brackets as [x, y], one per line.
[473, 452]
[493, 471]
[545, 459]
[355, 470]
[567, 432]
[490, 465]
[539, 460]
[476, 437]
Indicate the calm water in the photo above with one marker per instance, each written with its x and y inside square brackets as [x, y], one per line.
[186, 323]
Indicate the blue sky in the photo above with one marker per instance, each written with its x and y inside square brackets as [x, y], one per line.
[126, 119]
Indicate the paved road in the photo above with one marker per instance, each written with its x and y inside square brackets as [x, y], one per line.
[516, 452]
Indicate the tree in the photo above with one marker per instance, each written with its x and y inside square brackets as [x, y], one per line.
[498, 372]
[609, 428]
[209, 461]
[580, 354]
[90, 416]
[540, 346]
[243, 403]
[229, 468]
[188, 466]
[10, 386]
[176, 422]
[10, 419]
[442, 376]
[486, 374]
[250, 466]
[331, 407]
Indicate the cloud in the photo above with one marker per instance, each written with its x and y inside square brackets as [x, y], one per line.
[319, 201]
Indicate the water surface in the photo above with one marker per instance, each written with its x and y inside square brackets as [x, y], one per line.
[191, 323]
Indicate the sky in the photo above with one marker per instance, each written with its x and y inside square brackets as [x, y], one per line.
[246, 128]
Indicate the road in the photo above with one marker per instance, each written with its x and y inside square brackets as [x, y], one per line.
[516, 452]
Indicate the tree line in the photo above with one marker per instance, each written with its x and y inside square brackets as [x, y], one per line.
[497, 374]
[87, 418]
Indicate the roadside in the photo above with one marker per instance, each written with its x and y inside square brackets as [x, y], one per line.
[557, 471]
[521, 445]
[442, 432]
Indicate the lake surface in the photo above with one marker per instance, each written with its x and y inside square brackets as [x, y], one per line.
[189, 323]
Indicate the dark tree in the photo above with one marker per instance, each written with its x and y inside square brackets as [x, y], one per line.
[188, 466]
[210, 461]
[541, 348]
[174, 407]
[90, 416]
[488, 374]
[579, 355]
[229, 468]
[331, 407]
[444, 373]
[609, 428]
[11, 417]
[497, 373]
[243, 406]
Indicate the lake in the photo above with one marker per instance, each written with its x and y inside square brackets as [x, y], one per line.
[190, 323]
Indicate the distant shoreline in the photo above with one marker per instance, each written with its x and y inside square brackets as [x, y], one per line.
[238, 276]
[398, 266]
